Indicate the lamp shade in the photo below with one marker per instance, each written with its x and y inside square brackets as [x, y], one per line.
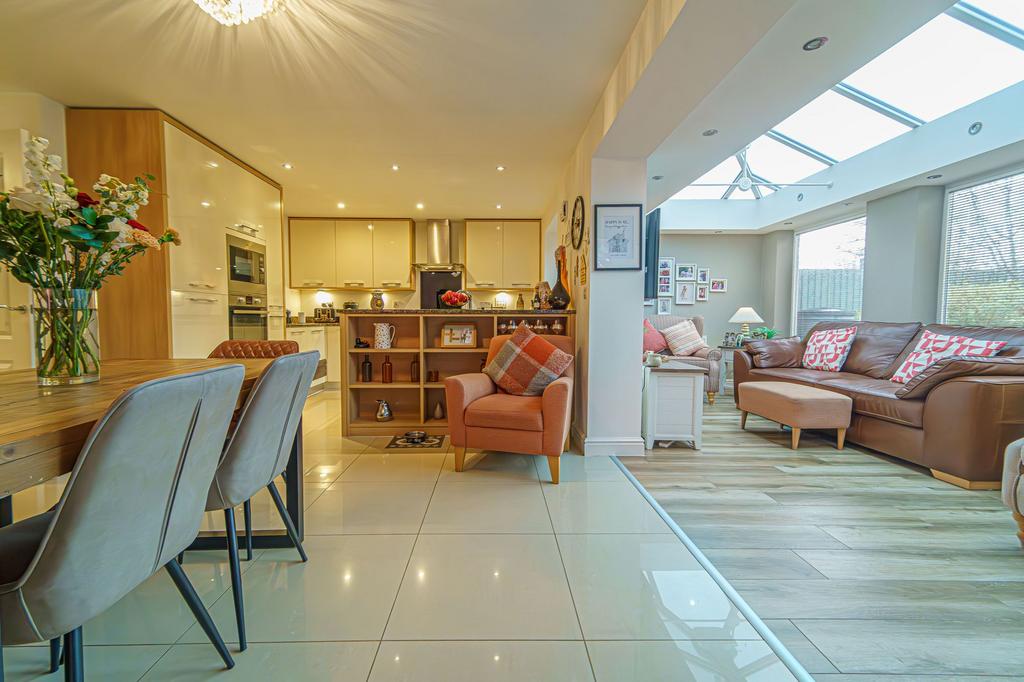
[745, 315]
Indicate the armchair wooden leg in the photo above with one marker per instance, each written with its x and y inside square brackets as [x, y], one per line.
[1020, 527]
[840, 439]
[553, 467]
[795, 438]
[711, 397]
[743, 419]
[460, 458]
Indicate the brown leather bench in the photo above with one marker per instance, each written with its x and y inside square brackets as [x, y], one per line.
[796, 406]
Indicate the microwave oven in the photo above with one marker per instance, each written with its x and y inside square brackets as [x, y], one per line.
[247, 268]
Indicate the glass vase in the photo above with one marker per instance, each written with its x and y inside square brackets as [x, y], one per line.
[66, 326]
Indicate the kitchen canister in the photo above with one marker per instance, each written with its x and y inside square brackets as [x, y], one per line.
[383, 335]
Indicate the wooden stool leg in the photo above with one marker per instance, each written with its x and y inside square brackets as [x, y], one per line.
[796, 437]
[743, 419]
[1020, 527]
[460, 458]
[711, 397]
[553, 466]
[840, 439]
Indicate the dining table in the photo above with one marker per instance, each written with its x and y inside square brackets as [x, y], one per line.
[43, 428]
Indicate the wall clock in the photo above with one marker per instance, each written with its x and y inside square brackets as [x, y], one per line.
[577, 222]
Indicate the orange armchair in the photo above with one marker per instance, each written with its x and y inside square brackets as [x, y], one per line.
[481, 415]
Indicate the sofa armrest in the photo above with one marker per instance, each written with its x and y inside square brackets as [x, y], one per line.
[742, 363]
[708, 353]
[459, 392]
[556, 405]
[951, 368]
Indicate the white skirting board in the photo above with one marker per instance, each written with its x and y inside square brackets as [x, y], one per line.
[627, 446]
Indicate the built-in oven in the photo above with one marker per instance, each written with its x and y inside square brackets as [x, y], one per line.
[247, 268]
[247, 318]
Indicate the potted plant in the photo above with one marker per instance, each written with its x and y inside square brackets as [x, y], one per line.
[64, 243]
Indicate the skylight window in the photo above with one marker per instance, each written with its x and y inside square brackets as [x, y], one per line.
[776, 162]
[1010, 11]
[723, 173]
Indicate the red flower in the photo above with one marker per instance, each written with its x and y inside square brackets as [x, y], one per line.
[137, 225]
[84, 200]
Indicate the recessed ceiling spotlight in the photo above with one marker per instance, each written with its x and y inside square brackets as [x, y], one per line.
[500, 168]
[815, 43]
[213, 164]
[934, 176]
[847, 203]
[718, 231]
[286, 165]
[788, 222]
[341, 204]
[204, 204]
[498, 207]
[394, 166]
[975, 128]
[657, 177]
[710, 132]
[420, 206]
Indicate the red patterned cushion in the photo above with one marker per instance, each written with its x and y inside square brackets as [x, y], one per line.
[827, 349]
[654, 340]
[934, 347]
[526, 363]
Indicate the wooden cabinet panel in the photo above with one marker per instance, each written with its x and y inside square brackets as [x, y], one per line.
[483, 254]
[392, 253]
[353, 253]
[520, 254]
[312, 253]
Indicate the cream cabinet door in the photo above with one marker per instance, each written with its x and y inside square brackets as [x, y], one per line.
[392, 253]
[354, 253]
[520, 254]
[312, 253]
[199, 321]
[269, 200]
[483, 254]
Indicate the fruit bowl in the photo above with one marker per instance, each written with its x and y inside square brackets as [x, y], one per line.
[454, 299]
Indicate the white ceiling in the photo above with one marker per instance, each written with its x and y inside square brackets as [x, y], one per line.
[447, 89]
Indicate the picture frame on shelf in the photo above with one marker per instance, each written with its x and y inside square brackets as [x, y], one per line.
[618, 230]
[703, 275]
[686, 272]
[458, 335]
[719, 285]
[686, 293]
[664, 306]
[729, 341]
[702, 292]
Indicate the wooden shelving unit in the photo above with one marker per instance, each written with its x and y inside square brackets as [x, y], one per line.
[418, 336]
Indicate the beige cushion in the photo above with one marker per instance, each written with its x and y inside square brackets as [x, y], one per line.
[683, 338]
[804, 407]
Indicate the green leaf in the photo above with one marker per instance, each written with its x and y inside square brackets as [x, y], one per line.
[104, 219]
[89, 215]
[74, 232]
[95, 243]
[105, 236]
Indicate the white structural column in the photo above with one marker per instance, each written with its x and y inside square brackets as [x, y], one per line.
[615, 325]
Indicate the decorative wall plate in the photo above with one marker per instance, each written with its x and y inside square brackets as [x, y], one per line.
[577, 222]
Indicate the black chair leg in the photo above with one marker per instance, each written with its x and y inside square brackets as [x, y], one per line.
[288, 525]
[74, 659]
[236, 575]
[181, 558]
[55, 654]
[188, 593]
[247, 508]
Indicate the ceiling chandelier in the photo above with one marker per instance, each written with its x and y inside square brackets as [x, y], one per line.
[235, 12]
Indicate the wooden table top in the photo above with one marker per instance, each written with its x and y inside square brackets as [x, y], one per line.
[42, 429]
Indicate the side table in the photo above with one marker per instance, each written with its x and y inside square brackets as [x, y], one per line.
[723, 367]
[673, 403]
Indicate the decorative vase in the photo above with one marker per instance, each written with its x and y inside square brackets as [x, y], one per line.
[377, 300]
[66, 325]
[559, 297]
[438, 411]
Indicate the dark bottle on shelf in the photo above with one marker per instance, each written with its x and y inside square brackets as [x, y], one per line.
[366, 370]
[386, 370]
[414, 370]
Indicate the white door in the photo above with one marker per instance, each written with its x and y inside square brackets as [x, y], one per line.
[15, 297]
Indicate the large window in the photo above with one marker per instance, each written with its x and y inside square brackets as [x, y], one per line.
[983, 260]
[829, 274]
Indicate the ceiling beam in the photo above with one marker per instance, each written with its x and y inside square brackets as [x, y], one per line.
[983, 21]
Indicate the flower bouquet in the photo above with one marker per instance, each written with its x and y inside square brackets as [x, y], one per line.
[64, 243]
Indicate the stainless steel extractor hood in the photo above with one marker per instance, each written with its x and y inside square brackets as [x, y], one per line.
[438, 237]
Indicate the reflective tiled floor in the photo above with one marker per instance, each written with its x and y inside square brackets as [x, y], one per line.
[418, 572]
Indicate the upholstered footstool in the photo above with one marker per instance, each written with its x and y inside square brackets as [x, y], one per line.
[796, 406]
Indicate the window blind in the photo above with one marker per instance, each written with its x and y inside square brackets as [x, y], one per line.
[983, 259]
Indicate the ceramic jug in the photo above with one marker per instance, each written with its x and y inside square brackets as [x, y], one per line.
[384, 413]
[383, 335]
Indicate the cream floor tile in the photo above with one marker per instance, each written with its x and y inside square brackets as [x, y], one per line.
[686, 662]
[487, 508]
[344, 592]
[490, 467]
[107, 663]
[369, 508]
[484, 587]
[326, 467]
[600, 507]
[478, 661]
[576, 468]
[646, 587]
[323, 442]
[394, 467]
[294, 662]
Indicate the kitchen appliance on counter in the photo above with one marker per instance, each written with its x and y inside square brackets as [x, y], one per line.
[325, 313]
[247, 290]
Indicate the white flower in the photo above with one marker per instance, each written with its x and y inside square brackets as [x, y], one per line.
[104, 179]
[30, 202]
[62, 222]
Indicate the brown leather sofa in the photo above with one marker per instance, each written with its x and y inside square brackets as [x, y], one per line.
[956, 418]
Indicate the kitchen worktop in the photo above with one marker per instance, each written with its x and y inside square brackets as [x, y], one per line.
[456, 311]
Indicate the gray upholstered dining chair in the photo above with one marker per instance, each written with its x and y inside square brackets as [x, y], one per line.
[133, 501]
[257, 453]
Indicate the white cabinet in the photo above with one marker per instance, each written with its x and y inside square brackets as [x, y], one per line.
[199, 321]
[392, 254]
[312, 253]
[332, 337]
[310, 338]
[353, 253]
[502, 254]
[673, 404]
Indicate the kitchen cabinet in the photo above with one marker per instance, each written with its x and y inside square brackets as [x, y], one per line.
[310, 338]
[312, 253]
[353, 253]
[392, 254]
[502, 254]
[332, 338]
[199, 321]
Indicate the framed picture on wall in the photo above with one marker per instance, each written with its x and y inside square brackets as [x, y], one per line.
[703, 275]
[686, 293]
[665, 285]
[618, 243]
[686, 272]
[666, 266]
[702, 292]
[719, 286]
[664, 306]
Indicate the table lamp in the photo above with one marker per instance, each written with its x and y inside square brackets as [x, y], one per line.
[744, 317]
